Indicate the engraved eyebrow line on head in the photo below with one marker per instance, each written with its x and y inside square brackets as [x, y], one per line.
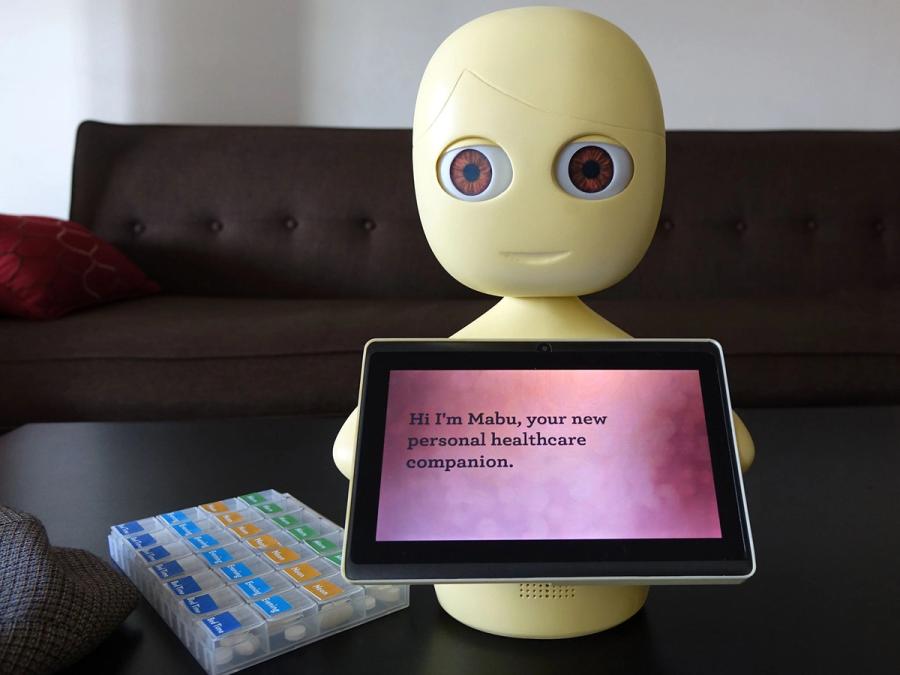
[444, 104]
[525, 103]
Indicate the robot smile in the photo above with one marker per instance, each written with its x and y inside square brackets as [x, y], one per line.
[536, 257]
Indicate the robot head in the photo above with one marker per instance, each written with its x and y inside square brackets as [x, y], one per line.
[538, 153]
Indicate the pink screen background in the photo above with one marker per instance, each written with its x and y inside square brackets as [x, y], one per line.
[644, 474]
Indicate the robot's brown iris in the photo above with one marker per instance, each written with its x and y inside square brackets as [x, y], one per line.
[591, 169]
[470, 172]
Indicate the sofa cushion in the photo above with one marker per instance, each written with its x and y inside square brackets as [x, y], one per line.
[186, 328]
[50, 267]
[170, 357]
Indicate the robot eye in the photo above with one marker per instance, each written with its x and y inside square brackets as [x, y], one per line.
[593, 170]
[475, 172]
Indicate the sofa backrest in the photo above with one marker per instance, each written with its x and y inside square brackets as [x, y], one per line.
[318, 212]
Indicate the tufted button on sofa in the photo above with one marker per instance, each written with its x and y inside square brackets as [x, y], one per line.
[282, 250]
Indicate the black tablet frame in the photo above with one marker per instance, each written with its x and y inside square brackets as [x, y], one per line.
[726, 559]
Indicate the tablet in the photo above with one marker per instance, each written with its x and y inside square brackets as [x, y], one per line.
[610, 461]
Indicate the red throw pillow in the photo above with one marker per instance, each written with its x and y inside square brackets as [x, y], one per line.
[50, 267]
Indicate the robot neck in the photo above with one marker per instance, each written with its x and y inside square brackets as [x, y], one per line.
[560, 318]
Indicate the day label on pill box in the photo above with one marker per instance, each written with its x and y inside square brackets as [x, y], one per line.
[264, 541]
[174, 517]
[335, 558]
[142, 540]
[217, 556]
[324, 589]
[229, 518]
[246, 530]
[203, 541]
[236, 571]
[302, 572]
[282, 555]
[201, 604]
[322, 544]
[273, 605]
[186, 528]
[155, 553]
[130, 527]
[215, 507]
[286, 520]
[269, 508]
[221, 623]
[169, 569]
[254, 587]
[253, 498]
[303, 532]
[184, 586]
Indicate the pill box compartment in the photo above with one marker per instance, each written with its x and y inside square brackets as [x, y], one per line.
[229, 518]
[290, 617]
[134, 528]
[223, 505]
[138, 564]
[250, 529]
[339, 602]
[150, 543]
[262, 586]
[191, 609]
[243, 569]
[230, 640]
[269, 540]
[191, 513]
[208, 539]
[254, 498]
[277, 506]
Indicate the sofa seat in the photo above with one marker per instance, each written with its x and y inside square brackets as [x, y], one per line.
[175, 357]
[178, 357]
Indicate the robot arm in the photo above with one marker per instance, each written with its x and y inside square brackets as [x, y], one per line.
[746, 448]
[345, 444]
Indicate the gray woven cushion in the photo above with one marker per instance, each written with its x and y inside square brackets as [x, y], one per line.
[56, 604]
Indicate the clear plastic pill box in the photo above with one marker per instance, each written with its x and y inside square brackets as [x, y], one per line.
[244, 579]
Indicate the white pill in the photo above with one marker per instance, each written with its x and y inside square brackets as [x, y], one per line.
[335, 614]
[384, 593]
[370, 603]
[295, 632]
[247, 647]
[223, 655]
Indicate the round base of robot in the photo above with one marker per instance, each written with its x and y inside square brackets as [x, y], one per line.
[540, 610]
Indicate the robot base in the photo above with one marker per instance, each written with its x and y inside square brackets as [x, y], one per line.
[540, 610]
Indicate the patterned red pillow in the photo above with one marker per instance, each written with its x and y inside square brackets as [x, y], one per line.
[50, 267]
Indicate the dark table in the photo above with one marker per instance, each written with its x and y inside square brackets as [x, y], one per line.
[823, 501]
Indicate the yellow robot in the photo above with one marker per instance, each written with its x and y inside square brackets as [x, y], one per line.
[539, 163]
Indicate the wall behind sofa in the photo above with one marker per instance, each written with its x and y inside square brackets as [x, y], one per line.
[736, 64]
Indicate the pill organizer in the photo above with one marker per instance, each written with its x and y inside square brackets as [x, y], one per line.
[244, 579]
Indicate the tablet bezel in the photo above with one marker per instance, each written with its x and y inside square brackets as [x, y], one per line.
[729, 559]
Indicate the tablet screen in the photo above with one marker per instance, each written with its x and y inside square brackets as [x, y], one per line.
[546, 454]
[517, 460]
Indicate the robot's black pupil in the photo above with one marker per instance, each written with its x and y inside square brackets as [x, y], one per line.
[472, 172]
[591, 168]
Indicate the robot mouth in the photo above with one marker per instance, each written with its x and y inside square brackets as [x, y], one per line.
[536, 257]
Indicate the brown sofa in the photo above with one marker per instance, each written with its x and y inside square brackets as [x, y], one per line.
[281, 250]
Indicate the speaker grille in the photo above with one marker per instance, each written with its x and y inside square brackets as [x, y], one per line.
[546, 592]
